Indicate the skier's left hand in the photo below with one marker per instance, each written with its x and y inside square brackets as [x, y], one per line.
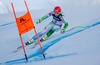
[62, 31]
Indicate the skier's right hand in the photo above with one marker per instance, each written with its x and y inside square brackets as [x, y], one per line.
[63, 30]
[39, 21]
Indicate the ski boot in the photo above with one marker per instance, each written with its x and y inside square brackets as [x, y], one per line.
[44, 38]
[41, 40]
[27, 43]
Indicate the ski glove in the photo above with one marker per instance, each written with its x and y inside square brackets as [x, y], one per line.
[39, 21]
[62, 30]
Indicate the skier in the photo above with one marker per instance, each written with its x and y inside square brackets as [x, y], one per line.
[55, 24]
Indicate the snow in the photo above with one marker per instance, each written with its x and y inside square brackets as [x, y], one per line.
[81, 48]
[3, 8]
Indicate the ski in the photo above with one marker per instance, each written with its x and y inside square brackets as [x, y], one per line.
[35, 44]
[19, 48]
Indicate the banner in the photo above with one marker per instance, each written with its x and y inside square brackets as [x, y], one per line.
[24, 23]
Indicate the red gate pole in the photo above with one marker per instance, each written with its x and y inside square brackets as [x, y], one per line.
[19, 34]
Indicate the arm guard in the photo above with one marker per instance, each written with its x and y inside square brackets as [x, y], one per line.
[44, 17]
[65, 26]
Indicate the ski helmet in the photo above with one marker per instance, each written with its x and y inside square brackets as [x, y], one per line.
[57, 9]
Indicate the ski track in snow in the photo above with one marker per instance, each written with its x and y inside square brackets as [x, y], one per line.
[7, 24]
[49, 44]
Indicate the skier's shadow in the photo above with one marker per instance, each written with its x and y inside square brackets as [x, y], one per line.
[40, 58]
